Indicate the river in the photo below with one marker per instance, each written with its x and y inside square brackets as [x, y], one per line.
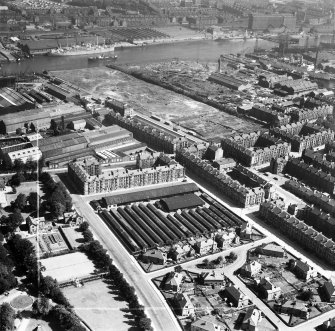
[200, 50]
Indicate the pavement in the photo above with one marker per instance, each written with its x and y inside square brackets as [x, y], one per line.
[156, 307]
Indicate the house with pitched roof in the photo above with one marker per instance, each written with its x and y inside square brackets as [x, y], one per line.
[329, 325]
[204, 246]
[271, 250]
[208, 323]
[251, 269]
[235, 296]
[183, 304]
[155, 256]
[328, 290]
[251, 319]
[292, 307]
[302, 270]
[268, 290]
[214, 278]
[173, 281]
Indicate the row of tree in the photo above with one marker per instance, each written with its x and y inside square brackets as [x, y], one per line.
[57, 197]
[7, 317]
[7, 278]
[98, 254]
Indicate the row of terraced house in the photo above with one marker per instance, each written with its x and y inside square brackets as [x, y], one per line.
[243, 196]
[298, 231]
[90, 178]
[243, 150]
[310, 136]
[312, 175]
[160, 140]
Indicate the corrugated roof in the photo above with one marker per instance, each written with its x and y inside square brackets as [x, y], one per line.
[180, 202]
[151, 194]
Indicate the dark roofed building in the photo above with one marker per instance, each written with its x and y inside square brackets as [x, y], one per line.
[150, 194]
[180, 202]
[328, 290]
[229, 81]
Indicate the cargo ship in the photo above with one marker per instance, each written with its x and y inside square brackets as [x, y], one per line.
[87, 49]
[102, 58]
[82, 50]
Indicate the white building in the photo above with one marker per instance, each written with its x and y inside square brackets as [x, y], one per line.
[32, 153]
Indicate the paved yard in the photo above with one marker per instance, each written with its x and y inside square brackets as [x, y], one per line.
[66, 267]
[100, 306]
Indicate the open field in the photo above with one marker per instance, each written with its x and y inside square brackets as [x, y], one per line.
[150, 99]
[98, 303]
[65, 267]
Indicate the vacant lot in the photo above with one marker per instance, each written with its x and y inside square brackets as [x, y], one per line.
[66, 267]
[150, 99]
[99, 304]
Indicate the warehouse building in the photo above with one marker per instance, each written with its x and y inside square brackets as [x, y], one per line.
[229, 81]
[181, 202]
[39, 117]
[108, 138]
[31, 153]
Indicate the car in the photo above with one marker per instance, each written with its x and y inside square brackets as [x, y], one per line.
[275, 178]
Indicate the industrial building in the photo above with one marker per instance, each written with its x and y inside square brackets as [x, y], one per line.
[229, 81]
[31, 153]
[260, 21]
[36, 118]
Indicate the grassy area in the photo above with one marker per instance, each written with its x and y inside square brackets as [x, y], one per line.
[69, 266]
[21, 302]
[99, 304]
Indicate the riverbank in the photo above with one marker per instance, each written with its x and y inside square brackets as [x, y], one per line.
[203, 51]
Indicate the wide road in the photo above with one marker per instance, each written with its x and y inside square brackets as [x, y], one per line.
[155, 305]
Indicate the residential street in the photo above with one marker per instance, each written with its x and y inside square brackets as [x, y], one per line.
[158, 310]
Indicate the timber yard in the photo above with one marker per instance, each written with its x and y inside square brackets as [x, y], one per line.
[167, 165]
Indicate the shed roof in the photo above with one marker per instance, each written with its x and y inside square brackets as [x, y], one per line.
[180, 202]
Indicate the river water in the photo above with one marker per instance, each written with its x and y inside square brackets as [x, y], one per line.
[201, 50]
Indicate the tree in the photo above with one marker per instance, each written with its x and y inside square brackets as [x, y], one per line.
[22, 250]
[232, 256]
[12, 222]
[21, 201]
[88, 235]
[84, 226]
[18, 165]
[306, 295]
[41, 306]
[33, 200]
[7, 316]
[57, 208]
[145, 323]
[17, 179]
[219, 260]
